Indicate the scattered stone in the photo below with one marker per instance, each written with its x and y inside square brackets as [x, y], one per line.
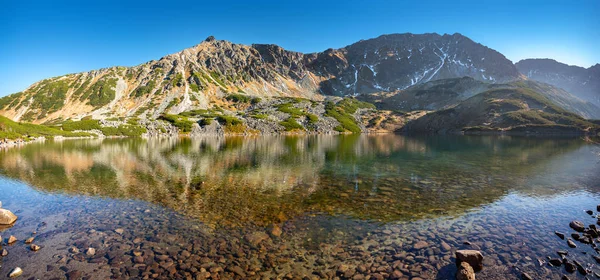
[525, 276]
[15, 272]
[239, 271]
[35, 248]
[571, 243]
[7, 217]
[74, 250]
[562, 253]
[445, 246]
[74, 275]
[560, 234]
[11, 240]
[119, 231]
[569, 267]
[256, 238]
[276, 231]
[396, 274]
[90, 251]
[420, 245]
[555, 262]
[472, 257]
[4, 252]
[29, 240]
[598, 208]
[577, 225]
[465, 272]
[589, 212]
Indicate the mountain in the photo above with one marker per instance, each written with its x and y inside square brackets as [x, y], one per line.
[518, 109]
[583, 83]
[446, 93]
[203, 76]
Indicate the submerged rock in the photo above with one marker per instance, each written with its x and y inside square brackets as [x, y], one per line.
[571, 243]
[90, 251]
[472, 257]
[420, 245]
[560, 234]
[7, 217]
[525, 276]
[577, 225]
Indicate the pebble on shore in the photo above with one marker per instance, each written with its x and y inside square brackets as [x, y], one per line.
[15, 272]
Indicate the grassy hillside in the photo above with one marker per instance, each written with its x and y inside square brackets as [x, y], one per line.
[16, 130]
[518, 109]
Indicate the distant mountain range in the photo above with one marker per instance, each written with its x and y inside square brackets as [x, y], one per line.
[583, 83]
[396, 72]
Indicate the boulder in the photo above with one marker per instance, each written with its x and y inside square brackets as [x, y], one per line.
[577, 225]
[473, 257]
[7, 217]
[465, 272]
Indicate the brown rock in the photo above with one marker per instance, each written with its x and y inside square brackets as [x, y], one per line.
[256, 237]
[420, 245]
[34, 247]
[445, 246]
[11, 240]
[472, 257]
[7, 217]
[29, 240]
[465, 272]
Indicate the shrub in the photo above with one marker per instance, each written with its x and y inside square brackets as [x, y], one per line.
[181, 122]
[176, 82]
[291, 124]
[81, 125]
[238, 98]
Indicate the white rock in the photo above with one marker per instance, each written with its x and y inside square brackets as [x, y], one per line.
[16, 272]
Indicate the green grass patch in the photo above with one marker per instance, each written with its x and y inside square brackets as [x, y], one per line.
[81, 125]
[181, 122]
[291, 124]
[15, 130]
[342, 112]
[124, 130]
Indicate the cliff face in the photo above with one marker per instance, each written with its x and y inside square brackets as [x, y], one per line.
[201, 77]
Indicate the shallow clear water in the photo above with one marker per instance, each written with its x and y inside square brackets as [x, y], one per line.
[293, 207]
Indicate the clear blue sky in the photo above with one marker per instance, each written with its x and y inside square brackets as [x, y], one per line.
[40, 39]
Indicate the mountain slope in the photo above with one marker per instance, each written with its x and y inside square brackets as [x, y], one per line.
[203, 76]
[513, 110]
[583, 83]
[442, 94]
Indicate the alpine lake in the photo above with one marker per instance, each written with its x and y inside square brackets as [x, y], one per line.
[297, 207]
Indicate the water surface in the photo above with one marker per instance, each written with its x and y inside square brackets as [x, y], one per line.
[293, 207]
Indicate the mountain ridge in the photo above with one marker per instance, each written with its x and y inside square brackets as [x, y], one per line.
[199, 77]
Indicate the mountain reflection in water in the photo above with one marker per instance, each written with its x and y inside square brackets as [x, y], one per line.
[235, 181]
